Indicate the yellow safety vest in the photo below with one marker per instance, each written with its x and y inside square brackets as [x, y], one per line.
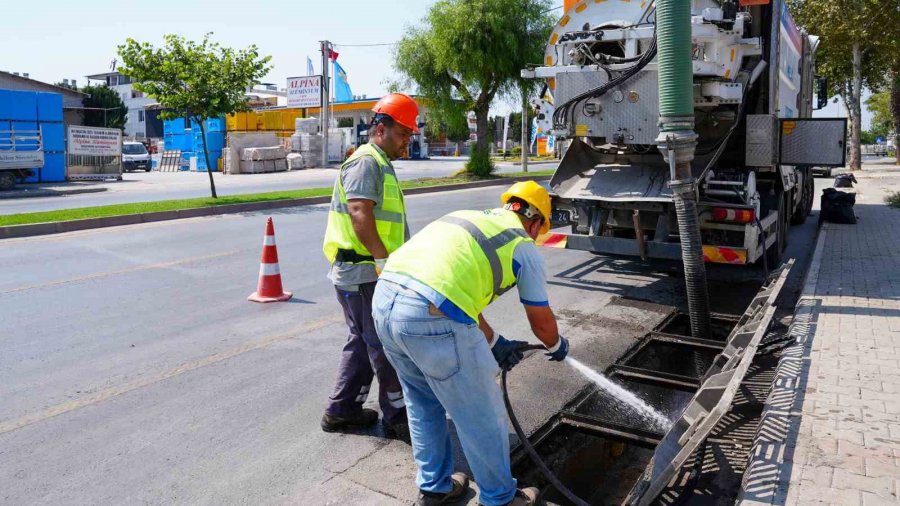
[466, 256]
[341, 243]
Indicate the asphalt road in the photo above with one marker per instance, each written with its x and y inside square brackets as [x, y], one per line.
[133, 370]
[152, 186]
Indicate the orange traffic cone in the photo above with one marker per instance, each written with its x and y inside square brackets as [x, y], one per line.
[269, 288]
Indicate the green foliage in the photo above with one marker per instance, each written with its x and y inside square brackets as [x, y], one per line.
[200, 81]
[345, 122]
[893, 199]
[466, 52]
[516, 151]
[66, 85]
[867, 137]
[841, 23]
[102, 97]
[480, 163]
[882, 118]
[455, 128]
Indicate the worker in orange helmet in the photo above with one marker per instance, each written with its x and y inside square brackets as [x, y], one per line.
[366, 223]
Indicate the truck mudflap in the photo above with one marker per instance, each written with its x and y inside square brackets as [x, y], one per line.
[630, 247]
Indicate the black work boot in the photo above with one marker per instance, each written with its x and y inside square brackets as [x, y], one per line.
[398, 431]
[460, 485]
[364, 418]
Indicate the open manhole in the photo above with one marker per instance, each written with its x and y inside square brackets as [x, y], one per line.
[680, 324]
[600, 470]
[607, 452]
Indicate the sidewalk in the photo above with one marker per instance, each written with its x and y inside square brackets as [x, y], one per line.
[830, 433]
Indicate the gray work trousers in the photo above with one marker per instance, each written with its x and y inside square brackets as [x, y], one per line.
[362, 359]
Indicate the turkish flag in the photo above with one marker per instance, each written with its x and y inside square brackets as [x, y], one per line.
[332, 54]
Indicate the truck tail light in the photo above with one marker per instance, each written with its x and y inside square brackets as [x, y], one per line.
[733, 215]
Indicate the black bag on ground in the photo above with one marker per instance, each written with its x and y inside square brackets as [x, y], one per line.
[845, 180]
[837, 206]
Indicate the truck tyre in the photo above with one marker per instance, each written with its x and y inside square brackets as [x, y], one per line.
[805, 207]
[773, 254]
[7, 180]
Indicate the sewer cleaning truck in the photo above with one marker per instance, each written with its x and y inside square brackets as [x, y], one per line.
[728, 94]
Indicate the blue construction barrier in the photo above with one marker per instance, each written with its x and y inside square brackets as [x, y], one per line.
[37, 111]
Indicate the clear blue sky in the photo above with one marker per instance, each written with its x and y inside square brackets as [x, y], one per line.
[57, 39]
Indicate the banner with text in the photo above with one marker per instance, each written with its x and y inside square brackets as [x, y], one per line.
[304, 91]
[94, 141]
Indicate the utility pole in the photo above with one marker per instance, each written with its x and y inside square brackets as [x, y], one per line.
[525, 137]
[325, 94]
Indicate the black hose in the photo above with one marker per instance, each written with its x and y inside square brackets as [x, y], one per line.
[694, 268]
[527, 444]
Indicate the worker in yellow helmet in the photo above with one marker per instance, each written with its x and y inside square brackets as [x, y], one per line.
[427, 309]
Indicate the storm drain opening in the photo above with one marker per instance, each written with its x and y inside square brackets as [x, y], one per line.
[680, 324]
[607, 452]
[597, 468]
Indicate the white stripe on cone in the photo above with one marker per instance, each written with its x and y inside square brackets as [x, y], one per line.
[269, 240]
[269, 270]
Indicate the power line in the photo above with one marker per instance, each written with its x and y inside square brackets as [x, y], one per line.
[365, 45]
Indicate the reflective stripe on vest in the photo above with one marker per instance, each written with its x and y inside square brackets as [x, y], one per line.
[489, 246]
[390, 215]
[466, 256]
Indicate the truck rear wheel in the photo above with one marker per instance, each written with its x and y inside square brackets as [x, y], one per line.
[7, 180]
[805, 207]
[775, 251]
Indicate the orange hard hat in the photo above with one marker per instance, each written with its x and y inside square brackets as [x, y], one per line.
[401, 108]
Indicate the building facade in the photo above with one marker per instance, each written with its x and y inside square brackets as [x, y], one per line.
[71, 99]
[135, 101]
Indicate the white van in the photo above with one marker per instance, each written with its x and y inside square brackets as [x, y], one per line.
[135, 156]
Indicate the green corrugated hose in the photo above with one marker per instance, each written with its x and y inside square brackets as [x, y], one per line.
[676, 75]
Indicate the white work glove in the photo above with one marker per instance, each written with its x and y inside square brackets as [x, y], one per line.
[379, 265]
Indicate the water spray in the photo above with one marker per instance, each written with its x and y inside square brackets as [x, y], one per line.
[659, 420]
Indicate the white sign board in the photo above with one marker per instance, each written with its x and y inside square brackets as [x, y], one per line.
[94, 141]
[304, 91]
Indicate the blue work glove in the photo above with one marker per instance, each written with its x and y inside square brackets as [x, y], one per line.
[507, 353]
[559, 351]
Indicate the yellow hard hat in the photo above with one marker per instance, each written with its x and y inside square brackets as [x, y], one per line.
[535, 195]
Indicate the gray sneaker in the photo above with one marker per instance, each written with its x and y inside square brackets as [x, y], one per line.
[525, 497]
[460, 485]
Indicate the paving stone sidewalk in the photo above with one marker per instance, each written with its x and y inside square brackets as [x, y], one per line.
[831, 430]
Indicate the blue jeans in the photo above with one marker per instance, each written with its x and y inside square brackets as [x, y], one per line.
[446, 367]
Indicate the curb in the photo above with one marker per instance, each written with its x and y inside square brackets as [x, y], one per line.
[30, 194]
[60, 227]
[767, 478]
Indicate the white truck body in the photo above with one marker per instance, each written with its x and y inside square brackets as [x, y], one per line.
[753, 88]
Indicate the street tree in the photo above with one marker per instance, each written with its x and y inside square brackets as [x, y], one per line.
[879, 104]
[198, 80]
[103, 107]
[858, 50]
[465, 53]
